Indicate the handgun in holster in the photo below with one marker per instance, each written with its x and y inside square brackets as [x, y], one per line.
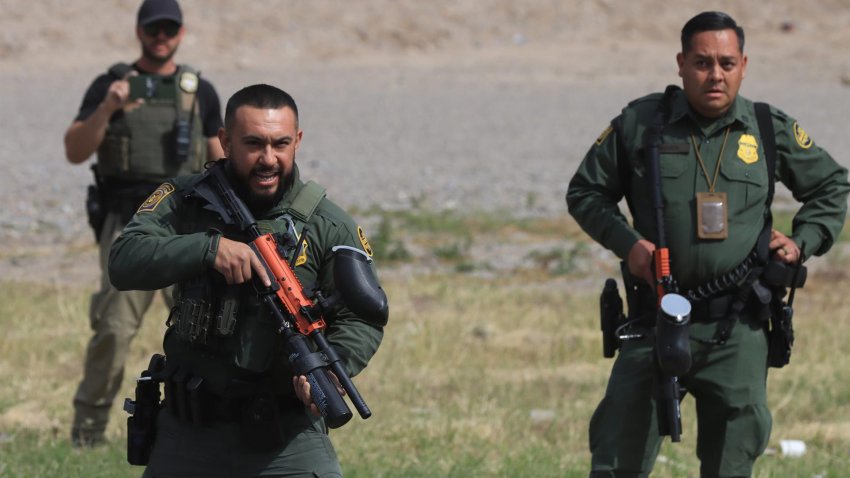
[95, 207]
[640, 310]
[779, 276]
[611, 317]
[141, 425]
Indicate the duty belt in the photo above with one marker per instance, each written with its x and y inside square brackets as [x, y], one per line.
[723, 284]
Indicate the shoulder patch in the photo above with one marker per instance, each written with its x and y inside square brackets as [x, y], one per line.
[802, 138]
[156, 197]
[363, 241]
[603, 135]
[748, 148]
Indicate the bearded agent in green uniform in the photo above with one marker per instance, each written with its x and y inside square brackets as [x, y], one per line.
[233, 404]
[148, 121]
[718, 155]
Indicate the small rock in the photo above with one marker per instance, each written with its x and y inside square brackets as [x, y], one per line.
[538, 415]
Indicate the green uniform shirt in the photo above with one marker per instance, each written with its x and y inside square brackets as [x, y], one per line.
[813, 177]
[170, 240]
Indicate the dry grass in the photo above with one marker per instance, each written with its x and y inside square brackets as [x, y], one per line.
[479, 375]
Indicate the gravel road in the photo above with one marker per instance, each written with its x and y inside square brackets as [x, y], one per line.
[497, 132]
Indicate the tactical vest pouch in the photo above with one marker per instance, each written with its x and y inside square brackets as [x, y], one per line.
[186, 398]
[258, 341]
[198, 317]
[113, 154]
[226, 319]
[194, 318]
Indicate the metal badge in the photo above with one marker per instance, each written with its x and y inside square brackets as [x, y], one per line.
[712, 214]
[189, 82]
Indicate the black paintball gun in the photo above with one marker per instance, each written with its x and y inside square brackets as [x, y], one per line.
[300, 316]
[672, 346]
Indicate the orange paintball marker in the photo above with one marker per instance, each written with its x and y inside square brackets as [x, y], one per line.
[287, 301]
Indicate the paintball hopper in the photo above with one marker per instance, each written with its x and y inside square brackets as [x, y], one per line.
[358, 286]
[672, 338]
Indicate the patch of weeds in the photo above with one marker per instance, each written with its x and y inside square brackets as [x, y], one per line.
[454, 251]
[531, 199]
[470, 266]
[386, 246]
[560, 260]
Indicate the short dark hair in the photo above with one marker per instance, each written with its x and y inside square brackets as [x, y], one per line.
[258, 96]
[708, 22]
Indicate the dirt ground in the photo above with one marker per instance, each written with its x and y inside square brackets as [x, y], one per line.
[470, 105]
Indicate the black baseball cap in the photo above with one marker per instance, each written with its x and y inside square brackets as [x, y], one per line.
[154, 10]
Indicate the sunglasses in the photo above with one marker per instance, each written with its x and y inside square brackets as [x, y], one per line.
[169, 28]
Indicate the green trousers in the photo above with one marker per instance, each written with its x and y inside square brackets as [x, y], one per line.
[114, 317]
[216, 450]
[728, 383]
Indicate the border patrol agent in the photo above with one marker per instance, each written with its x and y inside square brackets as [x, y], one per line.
[717, 184]
[139, 143]
[221, 343]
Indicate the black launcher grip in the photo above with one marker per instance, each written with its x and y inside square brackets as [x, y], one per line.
[324, 393]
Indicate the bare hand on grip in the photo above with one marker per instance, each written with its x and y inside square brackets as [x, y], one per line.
[786, 249]
[237, 262]
[640, 261]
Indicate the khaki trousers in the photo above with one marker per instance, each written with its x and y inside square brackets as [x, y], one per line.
[114, 317]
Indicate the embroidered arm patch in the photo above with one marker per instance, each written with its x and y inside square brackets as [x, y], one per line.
[156, 197]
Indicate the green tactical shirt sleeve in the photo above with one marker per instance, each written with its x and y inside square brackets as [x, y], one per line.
[594, 193]
[150, 254]
[816, 180]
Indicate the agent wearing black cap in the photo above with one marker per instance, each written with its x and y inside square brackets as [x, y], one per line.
[154, 10]
[137, 149]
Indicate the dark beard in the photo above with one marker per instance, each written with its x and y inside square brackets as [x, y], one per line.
[161, 61]
[258, 204]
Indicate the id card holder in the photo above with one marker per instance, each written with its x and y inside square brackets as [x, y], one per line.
[712, 214]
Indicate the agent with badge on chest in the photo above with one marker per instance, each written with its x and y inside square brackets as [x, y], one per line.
[704, 271]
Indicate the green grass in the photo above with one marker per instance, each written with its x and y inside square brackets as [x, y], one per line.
[32, 453]
[480, 374]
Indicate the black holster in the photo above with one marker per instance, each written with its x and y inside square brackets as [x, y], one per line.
[640, 298]
[780, 336]
[778, 277]
[141, 425]
[611, 317]
[95, 210]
